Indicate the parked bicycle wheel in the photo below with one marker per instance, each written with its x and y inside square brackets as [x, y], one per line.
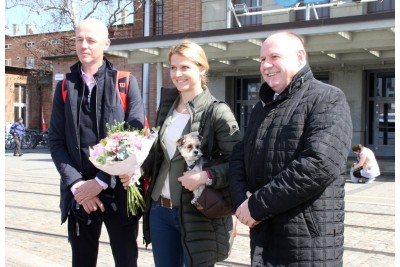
[10, 142]
[45, 139]
[29, 140]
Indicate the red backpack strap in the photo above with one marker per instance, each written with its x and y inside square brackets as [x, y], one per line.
[122, 85]
[146, 126]
[64, 89]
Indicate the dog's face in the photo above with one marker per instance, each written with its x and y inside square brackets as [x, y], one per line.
[189, 146]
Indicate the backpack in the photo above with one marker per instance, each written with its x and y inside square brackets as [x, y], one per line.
[122, 87]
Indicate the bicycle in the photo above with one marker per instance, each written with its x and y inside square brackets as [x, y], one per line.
[41, 138]
[10, 142]
[29, 139]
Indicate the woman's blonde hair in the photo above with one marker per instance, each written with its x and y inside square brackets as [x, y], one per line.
[193, 52]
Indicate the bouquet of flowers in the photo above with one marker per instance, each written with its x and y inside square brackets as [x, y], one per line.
[122, 152]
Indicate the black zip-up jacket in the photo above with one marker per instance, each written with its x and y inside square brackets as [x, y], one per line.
[64, 135]
[293, 159]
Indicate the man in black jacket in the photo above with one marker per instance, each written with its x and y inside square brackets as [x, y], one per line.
[287, 175]
[90, 197]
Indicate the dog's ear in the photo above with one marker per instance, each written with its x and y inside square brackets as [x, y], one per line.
[180, 142]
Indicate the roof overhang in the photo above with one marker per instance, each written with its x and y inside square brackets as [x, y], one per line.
[356, 40]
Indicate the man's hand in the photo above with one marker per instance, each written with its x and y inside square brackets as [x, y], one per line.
[191, 180]
[243, 213]
[87, 190]
[91, 205]
[126, 178]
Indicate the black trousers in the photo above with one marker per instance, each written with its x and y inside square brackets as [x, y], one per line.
[84, 241]
[18, 142]
[357, 173]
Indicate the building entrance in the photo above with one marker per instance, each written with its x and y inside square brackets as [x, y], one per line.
[381, 113]
[247, 89]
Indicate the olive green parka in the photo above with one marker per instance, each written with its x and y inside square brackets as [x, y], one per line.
[205, 241]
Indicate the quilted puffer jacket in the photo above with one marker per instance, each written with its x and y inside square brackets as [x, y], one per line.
[292, 159]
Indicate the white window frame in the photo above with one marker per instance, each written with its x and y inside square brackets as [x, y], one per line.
[29, 44]
[8, 62]
[18, 90]
[8, 46]
[55, 41]
[30, 62]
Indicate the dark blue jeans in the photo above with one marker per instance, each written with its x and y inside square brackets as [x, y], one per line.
[165, 234]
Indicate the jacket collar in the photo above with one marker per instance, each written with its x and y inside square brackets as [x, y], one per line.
[267, 93]
[78, 65]
[199, 102]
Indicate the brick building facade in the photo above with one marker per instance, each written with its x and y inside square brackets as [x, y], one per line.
[31, 64]
[350, 44]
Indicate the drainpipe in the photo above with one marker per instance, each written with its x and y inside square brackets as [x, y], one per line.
[228, 14]
[146, 66]
[159, 81]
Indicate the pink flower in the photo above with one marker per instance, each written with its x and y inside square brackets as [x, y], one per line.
[135, 141]
[97, 150]
[116, 136]
[112, 145]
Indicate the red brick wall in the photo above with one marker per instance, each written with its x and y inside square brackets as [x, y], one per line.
[179, 16]
[39, 95]
[182, 16]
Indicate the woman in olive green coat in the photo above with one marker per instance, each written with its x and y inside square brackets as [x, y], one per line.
[179, 233]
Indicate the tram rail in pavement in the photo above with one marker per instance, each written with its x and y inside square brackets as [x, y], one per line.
[35, 238]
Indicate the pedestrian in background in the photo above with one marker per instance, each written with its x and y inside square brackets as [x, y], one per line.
[287, 175]
[17, 130]
[367, 165]
[90, 197]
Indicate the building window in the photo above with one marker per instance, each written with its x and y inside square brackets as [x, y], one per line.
[322, 13]
[30, 44]
[55, 42]
[158, 17]
[8, 46]
[30, 62]
[381, 6]
[252, 6]
[20, 100]
[8, 62]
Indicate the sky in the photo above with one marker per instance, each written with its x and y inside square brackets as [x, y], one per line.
[22, 16]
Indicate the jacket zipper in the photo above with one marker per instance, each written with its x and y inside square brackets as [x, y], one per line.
[97, 119]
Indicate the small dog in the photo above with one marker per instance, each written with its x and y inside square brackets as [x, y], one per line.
[189, 147]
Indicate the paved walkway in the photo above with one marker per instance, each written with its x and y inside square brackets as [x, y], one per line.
[35, 238]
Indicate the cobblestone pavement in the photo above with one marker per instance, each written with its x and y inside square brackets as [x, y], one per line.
[35, 238]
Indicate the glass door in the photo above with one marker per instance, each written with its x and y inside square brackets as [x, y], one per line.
[381, 113]
[247, 89]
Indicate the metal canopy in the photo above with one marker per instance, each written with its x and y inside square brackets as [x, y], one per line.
[337, 42]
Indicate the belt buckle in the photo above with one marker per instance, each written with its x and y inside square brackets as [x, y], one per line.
[165, 202]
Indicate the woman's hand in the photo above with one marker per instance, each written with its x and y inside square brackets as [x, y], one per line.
[191, 180]
[127, 178]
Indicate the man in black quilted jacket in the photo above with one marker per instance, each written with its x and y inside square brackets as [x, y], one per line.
[287, 174]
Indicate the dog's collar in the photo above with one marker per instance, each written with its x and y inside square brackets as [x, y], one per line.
[194, 163]
[190, 167]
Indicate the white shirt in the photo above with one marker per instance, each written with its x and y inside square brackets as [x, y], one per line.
[371, 167]
[172, 133]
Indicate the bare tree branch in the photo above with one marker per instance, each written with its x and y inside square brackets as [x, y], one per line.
[65, 14]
